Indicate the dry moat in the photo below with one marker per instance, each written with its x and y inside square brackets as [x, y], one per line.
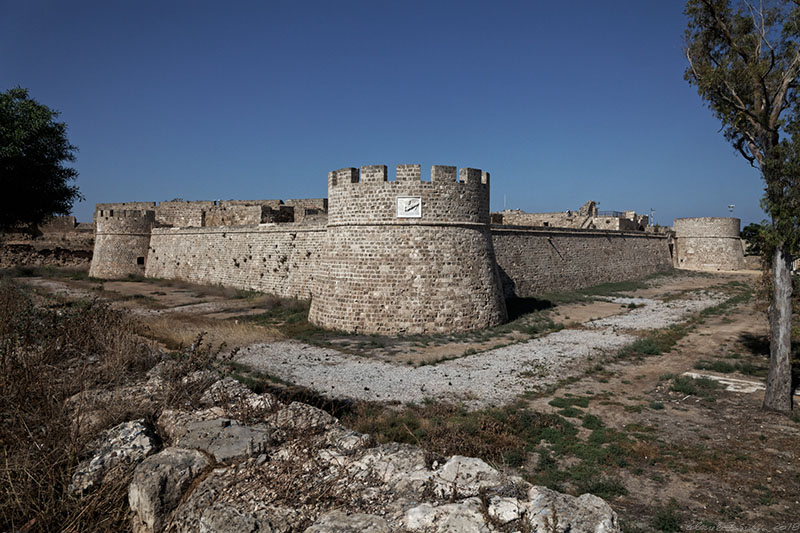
[613, 390]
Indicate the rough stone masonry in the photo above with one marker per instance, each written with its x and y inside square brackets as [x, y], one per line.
[381, 255]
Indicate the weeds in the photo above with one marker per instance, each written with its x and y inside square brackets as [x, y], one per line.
[291, 316]
[64, 369]
[47, 355]
[667, 518]
[656, 342]
[80, 274]
[724, 367]
[512, 436]
[701, 387]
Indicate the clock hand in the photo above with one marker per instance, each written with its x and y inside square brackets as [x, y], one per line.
[411, 207]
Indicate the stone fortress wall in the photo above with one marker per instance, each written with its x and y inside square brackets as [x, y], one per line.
[440, 266]
[537, 260]
[408, 256]
[277, 259]
[708, 243]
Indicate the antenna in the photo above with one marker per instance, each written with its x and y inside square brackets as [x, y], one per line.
[730, 208]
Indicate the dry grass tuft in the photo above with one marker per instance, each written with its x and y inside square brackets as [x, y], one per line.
[179, 330]
[47, 355]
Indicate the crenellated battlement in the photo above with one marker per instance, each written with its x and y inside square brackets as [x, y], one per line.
[367, 195]
[408, 174]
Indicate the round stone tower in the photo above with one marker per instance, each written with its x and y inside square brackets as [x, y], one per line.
[407, 256]
[708, 243]
[120, 242]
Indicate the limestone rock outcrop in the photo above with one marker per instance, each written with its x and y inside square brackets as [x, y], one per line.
[158, 484]
[247, 462]
[125, 444]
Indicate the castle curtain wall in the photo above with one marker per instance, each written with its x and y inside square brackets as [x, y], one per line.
[276, 259]
[533, 261]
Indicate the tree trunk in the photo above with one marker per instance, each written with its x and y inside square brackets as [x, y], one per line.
[778, 396]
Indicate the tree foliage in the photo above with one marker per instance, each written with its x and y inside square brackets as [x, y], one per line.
[744, 59]
[744, 62]
[33, 149]
[753, 235]
[782, 194]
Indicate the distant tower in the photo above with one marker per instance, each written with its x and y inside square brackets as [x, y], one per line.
[708, 243]
[121, 241]
[407, 256]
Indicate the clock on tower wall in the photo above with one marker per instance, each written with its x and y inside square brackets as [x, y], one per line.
[409, 207]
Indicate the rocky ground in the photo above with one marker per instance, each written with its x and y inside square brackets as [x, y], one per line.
[615, 374]
[247, 462]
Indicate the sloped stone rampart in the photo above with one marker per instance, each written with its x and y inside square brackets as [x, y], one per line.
[407, 280]
[535, 261]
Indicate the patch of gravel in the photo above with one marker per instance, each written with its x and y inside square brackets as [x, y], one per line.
[655, 314]
[494, 377]
[489, 378]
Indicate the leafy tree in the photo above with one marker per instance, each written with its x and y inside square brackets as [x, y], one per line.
[744, 59]
[33, 150]
[752, 234]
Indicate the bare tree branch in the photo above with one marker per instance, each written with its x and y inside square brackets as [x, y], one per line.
[789, 77]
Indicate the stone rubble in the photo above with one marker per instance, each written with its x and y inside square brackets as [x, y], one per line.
[158, 484]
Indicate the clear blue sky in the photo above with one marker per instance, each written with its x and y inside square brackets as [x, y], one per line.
[561, 101]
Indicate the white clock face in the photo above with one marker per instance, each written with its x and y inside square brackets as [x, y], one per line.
[409, 207]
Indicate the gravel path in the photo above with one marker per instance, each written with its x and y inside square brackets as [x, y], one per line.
[490, 378]
[655, 314]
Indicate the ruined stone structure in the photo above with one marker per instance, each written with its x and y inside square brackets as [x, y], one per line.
[386, 256]
[60, 241]
[587, 217]
[407, 256]
[121, 243]
[708, 243]
[199, 214]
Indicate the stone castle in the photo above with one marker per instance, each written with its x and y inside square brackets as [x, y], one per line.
[399, 256]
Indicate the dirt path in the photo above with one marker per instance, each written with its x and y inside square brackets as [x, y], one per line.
[738, 467]
[493, 377]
